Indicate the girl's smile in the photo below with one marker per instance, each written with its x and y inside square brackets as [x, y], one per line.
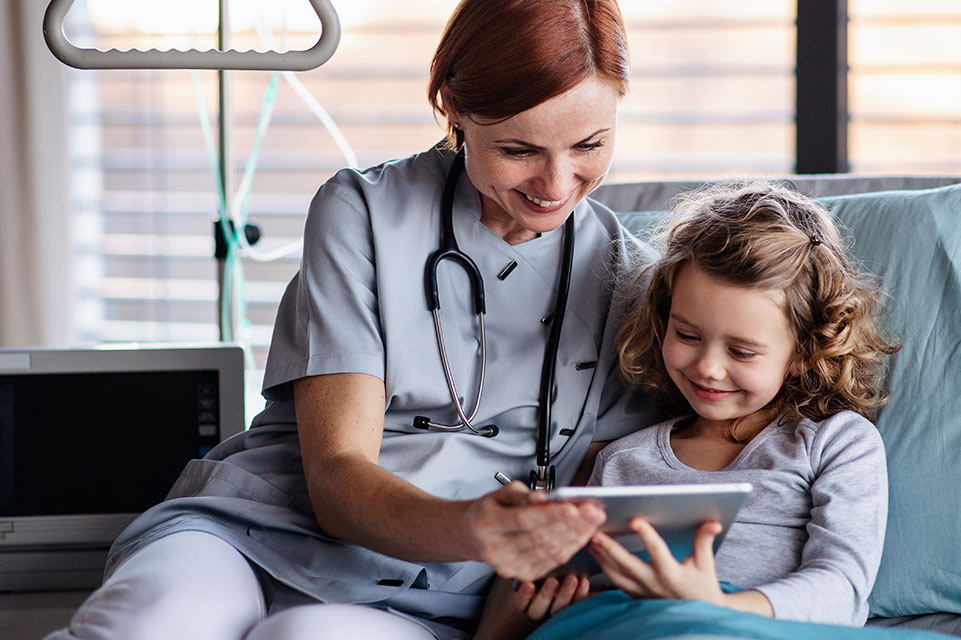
[709, 394]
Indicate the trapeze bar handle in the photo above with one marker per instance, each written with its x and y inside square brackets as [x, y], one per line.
[233, 60]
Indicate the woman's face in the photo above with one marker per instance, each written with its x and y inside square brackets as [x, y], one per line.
[532, 169]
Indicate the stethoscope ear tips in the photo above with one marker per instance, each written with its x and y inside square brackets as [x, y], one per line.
[490, 431]
[422, 422]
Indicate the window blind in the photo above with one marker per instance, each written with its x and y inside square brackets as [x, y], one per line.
[712, 96]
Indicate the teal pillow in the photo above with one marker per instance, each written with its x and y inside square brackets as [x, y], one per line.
[912, 241]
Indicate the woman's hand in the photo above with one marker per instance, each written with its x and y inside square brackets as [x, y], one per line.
[662, 576]
[511, 613]
[522, 535]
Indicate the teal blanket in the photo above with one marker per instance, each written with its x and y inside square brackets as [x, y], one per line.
[613, 615]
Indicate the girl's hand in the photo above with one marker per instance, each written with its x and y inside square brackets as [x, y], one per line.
[511, 613]
[522, 535]
[663, 576]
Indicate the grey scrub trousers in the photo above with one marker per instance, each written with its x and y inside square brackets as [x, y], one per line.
[357, 305]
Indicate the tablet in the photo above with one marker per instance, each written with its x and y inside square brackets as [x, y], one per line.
[675, 510]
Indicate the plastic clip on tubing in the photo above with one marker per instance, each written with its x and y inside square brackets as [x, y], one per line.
[233, 60]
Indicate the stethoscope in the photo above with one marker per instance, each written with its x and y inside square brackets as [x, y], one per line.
[543, 476]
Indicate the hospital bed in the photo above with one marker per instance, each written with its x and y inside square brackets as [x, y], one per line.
[907, 230]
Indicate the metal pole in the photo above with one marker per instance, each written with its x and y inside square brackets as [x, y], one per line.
[226, 317]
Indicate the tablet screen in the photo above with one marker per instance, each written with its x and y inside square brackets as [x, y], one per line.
[675, 511]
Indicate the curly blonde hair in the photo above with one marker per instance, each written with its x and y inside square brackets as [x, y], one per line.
[767, 236]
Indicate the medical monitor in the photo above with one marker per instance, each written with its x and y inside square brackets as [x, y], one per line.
[89, 438]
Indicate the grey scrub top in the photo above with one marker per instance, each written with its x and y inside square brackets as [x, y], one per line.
[357, 306]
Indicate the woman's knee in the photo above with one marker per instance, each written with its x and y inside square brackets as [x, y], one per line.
[187, 585]
[337, 621]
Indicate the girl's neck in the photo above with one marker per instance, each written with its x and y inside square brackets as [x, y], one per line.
[737, 430]
[710, 445]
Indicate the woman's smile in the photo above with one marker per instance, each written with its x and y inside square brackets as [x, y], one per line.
[543, 205]
[532, 169]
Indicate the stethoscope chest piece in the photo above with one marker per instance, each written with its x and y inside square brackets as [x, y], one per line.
[541, 479]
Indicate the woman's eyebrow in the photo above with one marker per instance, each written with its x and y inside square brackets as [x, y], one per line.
[524, 143]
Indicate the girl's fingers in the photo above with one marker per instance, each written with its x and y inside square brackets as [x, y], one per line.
[659, 553]
[524, 595]
[704, 544]
[628, 572]
[541, 603]
[566, 594]
[583, 589]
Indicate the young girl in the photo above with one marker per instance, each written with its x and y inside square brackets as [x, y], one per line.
[758, 336]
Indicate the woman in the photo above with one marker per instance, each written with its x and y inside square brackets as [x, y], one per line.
[334, 496]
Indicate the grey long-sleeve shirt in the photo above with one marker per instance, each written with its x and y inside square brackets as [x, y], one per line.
[810, 535]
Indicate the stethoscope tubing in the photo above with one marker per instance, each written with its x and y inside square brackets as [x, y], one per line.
[553, 347]
[465, 421]
[543, 475]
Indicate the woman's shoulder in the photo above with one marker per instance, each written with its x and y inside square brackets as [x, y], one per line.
[394, 179]
[381, 196]
[607, 218]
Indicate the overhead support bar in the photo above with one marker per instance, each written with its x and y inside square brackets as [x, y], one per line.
[70, 54]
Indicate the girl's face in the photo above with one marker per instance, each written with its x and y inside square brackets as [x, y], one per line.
[532, 169]
[728, 348]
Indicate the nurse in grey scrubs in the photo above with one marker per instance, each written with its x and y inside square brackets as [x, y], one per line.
[333, 516]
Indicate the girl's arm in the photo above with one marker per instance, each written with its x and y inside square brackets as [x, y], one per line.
[845, 530]
[340, 421]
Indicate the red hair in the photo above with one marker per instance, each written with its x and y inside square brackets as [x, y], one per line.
[501, 57]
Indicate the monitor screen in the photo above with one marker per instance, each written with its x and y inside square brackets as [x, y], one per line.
[101, 442]
[89, 438]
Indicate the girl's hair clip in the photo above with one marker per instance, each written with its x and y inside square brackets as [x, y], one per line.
[816, 239]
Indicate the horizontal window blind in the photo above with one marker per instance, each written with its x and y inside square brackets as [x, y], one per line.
[712, 95]
[905, 86]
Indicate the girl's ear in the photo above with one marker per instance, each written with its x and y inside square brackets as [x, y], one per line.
[799, 365]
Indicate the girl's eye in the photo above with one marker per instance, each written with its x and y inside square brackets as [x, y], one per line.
[685, 337]
[590, 146]
[742, 355]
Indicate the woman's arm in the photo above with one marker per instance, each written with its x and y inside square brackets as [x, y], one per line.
[340, 421]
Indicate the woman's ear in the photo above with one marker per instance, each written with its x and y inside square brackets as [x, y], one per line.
[453, 117]
[455, 131]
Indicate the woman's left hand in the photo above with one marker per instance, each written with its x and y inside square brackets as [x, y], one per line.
[662, 576]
